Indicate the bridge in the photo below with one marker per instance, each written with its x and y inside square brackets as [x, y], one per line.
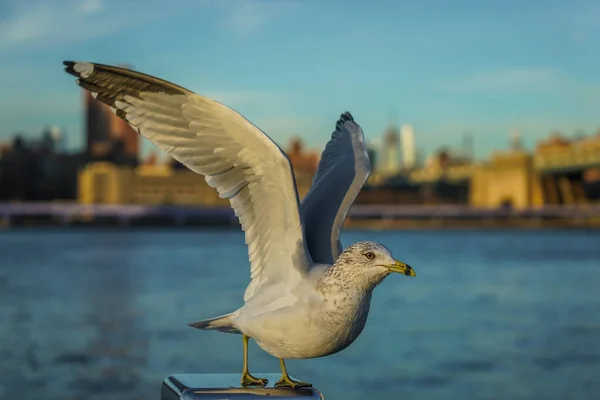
[576, 160]
[573, 161]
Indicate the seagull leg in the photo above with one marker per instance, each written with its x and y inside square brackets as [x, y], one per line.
[286, 381]
[247, 379]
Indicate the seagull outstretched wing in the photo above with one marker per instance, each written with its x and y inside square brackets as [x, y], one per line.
[342, 172]
[236, 158]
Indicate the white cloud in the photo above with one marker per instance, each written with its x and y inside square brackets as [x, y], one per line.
[282, 128]
[246, 16]
[35, 24]
[26, 103]
[513, 79]
[582, 21]
[38, 24]
[237, 98]
[91, 6]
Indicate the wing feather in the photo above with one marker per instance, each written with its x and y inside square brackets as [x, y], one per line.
[241, 162]
[343, 170]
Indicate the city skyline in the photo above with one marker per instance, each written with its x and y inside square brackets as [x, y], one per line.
[479, 68]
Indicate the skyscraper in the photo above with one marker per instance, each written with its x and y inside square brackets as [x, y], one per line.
[104, 129]
[119, 129]
[467, 146]
[390, 150]
[96, 124]
[515, 140]
[372, 153]
[409, 152]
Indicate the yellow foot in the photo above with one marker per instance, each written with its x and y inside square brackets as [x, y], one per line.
[286, 381]
[250, 381]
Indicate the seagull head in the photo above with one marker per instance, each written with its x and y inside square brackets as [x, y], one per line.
[377, 256]
[373, 261]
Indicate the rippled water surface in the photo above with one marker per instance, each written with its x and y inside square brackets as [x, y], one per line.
[491, 315]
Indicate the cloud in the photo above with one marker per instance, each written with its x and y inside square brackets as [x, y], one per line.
[245, 16]
[26, 104]
[281, 128]
[516, 81]
[237, 98]
[31, 25]
[91, 6]
[37, 24]
[582, 21]
[511, 79]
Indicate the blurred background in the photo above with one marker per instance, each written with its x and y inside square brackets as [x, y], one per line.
[483, 129]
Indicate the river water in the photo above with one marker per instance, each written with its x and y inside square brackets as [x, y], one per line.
[102, 314]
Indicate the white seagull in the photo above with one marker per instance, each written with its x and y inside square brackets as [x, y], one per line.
[307, 297]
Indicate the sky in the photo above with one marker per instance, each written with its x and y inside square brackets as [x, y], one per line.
[292, 67]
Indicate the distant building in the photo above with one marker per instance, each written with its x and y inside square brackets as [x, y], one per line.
[390, 150]
[4, 149]
[147, 184]
[508, 179]
[96, 123]
[515, 140]
[34, 171]
[105, 131]
[303, 162]
[555, 144]
[151, 183]
[151, 159]
[372, 153]
[108, 183]
[409, 152]
[467, 147]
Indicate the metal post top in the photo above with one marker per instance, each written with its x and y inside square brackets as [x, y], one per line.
[227, 386]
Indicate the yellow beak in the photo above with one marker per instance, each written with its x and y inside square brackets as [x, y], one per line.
[402, 268]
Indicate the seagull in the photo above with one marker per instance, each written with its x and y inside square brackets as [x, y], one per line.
[307, 297]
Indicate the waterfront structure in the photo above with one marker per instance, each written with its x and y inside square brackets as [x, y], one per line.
[104, 131]
[162, 184]
[390, 151]
[150, 183]
[509, 179]
[559, 172]
[409, 151]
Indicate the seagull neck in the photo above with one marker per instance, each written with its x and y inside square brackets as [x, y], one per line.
[349, 278]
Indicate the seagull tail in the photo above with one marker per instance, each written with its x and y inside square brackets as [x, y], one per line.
[224, 323]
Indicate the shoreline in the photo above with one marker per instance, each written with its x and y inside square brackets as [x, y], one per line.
[351, 224]
[361, 216]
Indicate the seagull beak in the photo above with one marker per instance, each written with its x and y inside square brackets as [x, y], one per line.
[402, 268]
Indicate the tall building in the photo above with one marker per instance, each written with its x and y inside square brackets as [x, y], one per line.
[515, 140]
[303, 162]
[409, 152]
[104, 130]
[119, 129]
[372, 153]
[390, 150]
[96, 123]
[467, 146]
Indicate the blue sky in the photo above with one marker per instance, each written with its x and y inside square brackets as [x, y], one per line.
[291, 67]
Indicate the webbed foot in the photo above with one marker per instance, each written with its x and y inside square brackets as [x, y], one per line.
[251, 381]
[286, 381]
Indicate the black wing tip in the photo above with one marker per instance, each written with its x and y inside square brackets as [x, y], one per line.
[70, 67]
[345, 117]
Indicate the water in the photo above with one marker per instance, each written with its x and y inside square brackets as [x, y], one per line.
[490, 315]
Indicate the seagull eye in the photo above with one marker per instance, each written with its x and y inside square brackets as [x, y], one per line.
[370, 255]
